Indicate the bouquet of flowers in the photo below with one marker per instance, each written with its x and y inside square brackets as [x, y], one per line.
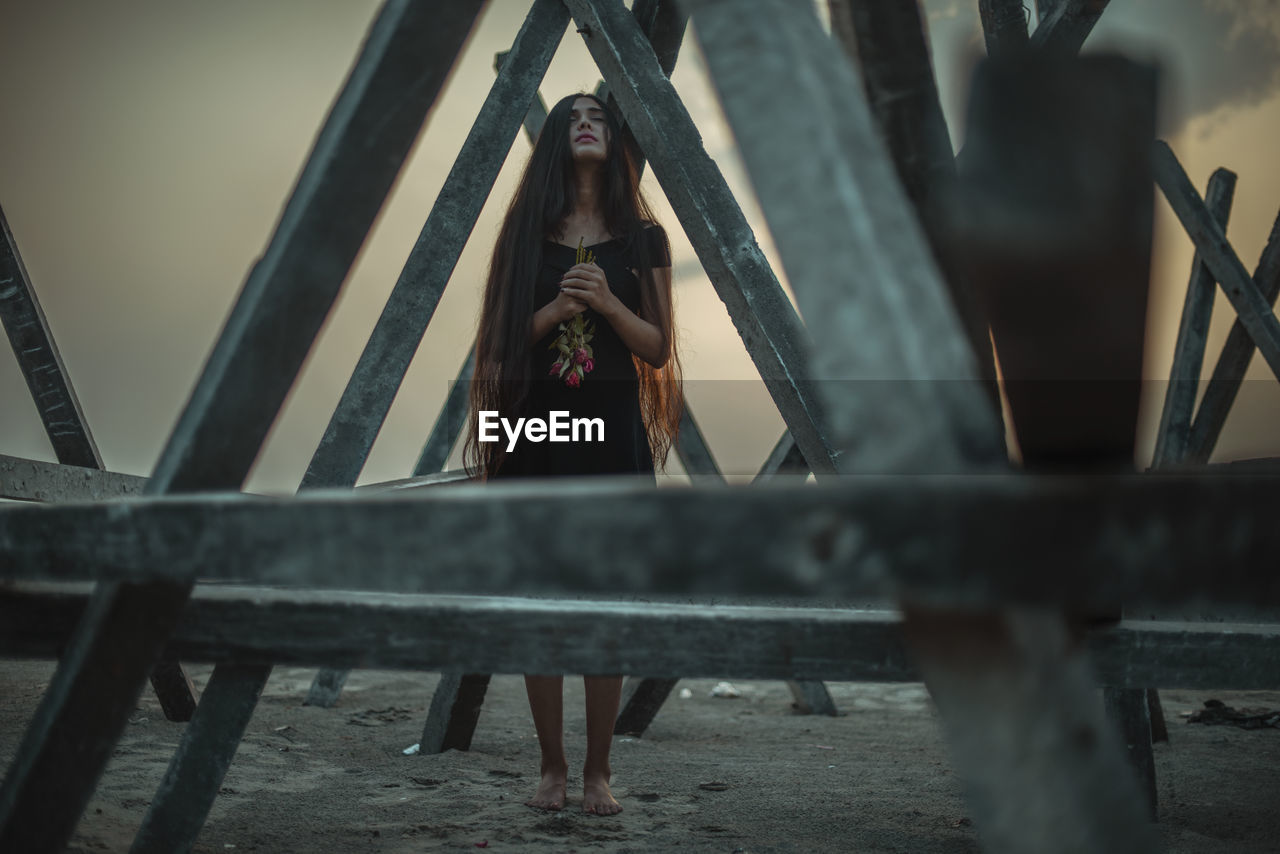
[573, 348]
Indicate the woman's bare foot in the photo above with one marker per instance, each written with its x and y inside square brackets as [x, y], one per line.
[597, 799]
[551, 790]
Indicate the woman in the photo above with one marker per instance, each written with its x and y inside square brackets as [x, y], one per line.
[579, 196]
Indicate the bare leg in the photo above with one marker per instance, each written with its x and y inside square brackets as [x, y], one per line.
[546, 701]
[603, 695]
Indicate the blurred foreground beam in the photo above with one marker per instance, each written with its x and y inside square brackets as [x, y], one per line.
[1113, 539]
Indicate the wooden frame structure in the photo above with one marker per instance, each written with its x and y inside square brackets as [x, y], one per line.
[1043, 771]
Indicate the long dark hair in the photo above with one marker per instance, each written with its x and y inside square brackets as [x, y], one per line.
[542, 201]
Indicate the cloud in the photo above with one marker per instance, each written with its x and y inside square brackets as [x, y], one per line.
[1218, 54]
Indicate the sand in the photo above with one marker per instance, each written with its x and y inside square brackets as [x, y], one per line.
[711, 774]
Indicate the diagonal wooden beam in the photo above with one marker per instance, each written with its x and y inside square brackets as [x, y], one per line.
[1064, 26]
[1173, 434]
[1229, 371]
[357, 155]
[888, 40]
[382, 365]
[1253, 309]
[39, 360]
[1004, 26]
[64, 421]
[854, 217]
[760, 311]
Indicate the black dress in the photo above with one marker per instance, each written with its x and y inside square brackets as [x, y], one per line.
[609, 392]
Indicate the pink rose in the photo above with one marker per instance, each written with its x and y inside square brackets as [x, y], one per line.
[588, 366]
[573, 380]
[555, 369]
[579, 356]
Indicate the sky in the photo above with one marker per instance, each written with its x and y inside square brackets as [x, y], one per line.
[147, 148]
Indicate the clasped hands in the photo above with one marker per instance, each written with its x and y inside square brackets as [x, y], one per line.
[585, 286]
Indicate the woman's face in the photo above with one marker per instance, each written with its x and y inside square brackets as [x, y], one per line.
[588, 131]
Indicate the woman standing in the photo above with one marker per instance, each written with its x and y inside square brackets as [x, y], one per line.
[577, 318]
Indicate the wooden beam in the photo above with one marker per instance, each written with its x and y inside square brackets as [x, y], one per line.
[695, 456]
[1064, 27]
[1004, 26]
[1237, 352]
[450, 421]
[854, 216]
[760, 310]
[177, 811]
[888, 40]
[307, 628]
[784, 459]
[22, 479]
[963, 541]
[1251, 306]
[358, 153]
[39, 360]
[455, 710]
[382, 365]
[1188, 352]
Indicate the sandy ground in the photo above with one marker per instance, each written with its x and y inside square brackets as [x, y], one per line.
[711, 774]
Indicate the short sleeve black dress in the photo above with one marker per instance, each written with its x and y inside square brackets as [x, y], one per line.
[609, 392]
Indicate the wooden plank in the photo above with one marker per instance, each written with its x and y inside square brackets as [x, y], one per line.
[536, 116]
[695, 456]
[326, 688]
[1188, 352]
[395, 338]
[455, 710]
[888, 40]
[764, 317]
[642, 697]
[1141, 539]
[186, 793]
[39, 360]
[358, 153]
[22, 479]
[812, 697]
[1064, 26]
[1004, 26]
[855, 216]
[1251, 306]
[65, 425]
[450, 421]
[1128, 709]
[1229, 371]
[307, 628]
[769, 57]
[784, 459]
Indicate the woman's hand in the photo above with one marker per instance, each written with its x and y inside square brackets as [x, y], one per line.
[551, 315]
[587, 284]
[565, 306]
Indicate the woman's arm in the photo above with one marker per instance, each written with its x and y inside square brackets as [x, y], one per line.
[560, 309]
[645, 338]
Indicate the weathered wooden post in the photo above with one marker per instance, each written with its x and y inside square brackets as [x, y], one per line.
[1055, 219]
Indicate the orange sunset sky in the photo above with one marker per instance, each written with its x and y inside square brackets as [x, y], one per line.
[147, 147]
